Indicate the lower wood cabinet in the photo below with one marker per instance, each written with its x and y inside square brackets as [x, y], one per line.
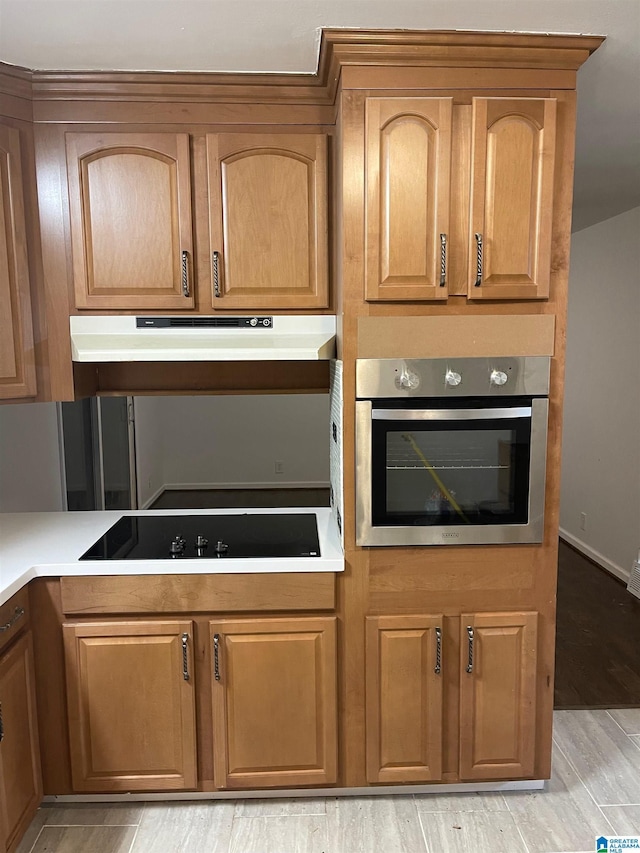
[274, 702]
[406, 664]
[20, 778]
[131, 705]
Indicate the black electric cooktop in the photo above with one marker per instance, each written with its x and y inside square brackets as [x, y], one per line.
[194, 537]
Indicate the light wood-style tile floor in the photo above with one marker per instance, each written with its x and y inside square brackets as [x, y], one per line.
[595, 790]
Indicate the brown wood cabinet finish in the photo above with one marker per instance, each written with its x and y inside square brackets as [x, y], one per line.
[274, 702]
[20, 777]
[511, 197]
[404, 698]
[498, 695]
[17, 355]
[131, 705]
[131, 230]
[268, 220]
[408, 163]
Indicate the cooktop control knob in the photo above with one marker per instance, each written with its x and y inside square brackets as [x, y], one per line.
[498, 377]
[407, 379]
[201, 541]
[221, 548]
[178, 545]
[452, 378]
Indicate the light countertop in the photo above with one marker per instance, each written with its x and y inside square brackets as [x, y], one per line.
[49, 544]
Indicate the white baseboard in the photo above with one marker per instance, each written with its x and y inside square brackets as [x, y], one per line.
[154, 497]
[275, 484]
[596, 556]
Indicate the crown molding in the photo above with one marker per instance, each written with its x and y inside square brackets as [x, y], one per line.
[338, 47]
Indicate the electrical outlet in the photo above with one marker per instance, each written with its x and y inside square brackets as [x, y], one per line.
[583, 521]
[278, 466]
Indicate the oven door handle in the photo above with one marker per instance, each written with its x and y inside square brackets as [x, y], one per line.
[450, 414]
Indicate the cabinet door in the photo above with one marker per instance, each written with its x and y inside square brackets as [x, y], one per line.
[408, 161]
[268, 220]
[274, 702]
[511, 197]
[130, 207]
[17, 359]
[497, 695]
[20, 779]
[404, 698]
[131, 705]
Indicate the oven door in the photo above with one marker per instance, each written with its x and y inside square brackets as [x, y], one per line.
[450, 473]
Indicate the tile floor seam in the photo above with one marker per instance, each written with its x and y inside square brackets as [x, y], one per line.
[628, 734]
[575, 770]
[35, 841]
[619, 805]
[424, 836]
[135, 834]
[519, 831]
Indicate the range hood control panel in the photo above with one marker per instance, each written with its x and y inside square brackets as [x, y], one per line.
[204, 322]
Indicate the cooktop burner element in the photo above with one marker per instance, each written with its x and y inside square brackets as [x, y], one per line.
[180, 537]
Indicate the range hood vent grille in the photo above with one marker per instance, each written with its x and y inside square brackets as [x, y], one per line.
[204, 322]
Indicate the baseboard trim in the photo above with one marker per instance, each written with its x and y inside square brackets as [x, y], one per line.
[276, 484]
[608, 565]
[154, 497]
[459, 788]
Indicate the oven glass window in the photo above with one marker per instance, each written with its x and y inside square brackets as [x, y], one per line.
[452, 472]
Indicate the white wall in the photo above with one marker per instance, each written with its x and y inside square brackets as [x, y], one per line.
[233, 441]
[601, 448]
[30, 475]
[148, 415]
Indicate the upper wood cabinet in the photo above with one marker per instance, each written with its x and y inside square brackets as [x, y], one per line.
[512, 157]
[131, 705]
[268, 220]
[17, 358]
[431, 167]
[274, 702]
[408, 161]
[20, 778]
[498, 695]
[131, 228]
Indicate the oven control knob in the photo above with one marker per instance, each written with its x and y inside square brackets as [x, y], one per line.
[452, 378]
[407, 379]
[498, 377]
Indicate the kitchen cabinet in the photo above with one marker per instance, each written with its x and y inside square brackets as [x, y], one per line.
[274, 702]
[20, 778]
[501, 183]
[268, 220]
[131, 225]
[17, 357]
[405, 667]
[131, 705]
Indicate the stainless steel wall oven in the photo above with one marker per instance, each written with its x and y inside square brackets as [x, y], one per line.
[451, 451]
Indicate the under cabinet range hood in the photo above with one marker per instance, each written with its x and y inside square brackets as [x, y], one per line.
[202, 338]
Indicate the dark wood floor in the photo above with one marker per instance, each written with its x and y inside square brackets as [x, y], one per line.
[598, 637]
[598, 621]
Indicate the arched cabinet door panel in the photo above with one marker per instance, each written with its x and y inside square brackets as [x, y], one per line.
[130, 209]
[17, 358]
[407, 174]
[268, 220]
[513, 153]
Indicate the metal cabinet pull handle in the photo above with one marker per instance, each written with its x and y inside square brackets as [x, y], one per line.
[186, 289]
[478, 260]
[215, 262]
[18, 613]
[438, 668]
[185, 657]
[216, 657]
[470, 636]
[443, 260]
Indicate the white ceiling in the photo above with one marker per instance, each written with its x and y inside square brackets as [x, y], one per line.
[283, 35]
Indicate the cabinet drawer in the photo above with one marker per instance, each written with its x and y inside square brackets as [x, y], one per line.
[198, 593]
[14, 617]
